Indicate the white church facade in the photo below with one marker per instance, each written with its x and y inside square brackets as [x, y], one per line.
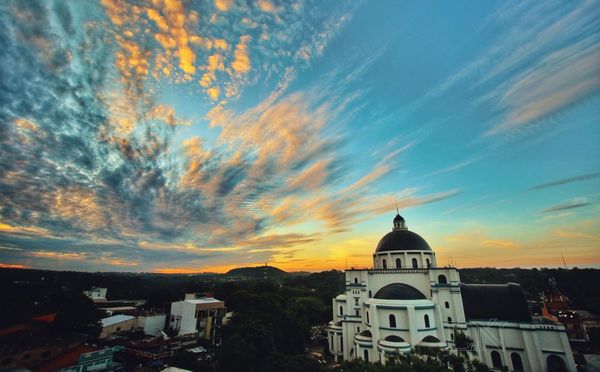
[406, 300]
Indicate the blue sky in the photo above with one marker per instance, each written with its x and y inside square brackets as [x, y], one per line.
[181, 136]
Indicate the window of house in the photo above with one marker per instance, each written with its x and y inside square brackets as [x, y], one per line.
[357, 312]
[442, 279]
[384, 264]
[355, 280]
[447, 304]
[555, 363]
[366, 354]
[118, 329]
[516, 362]
[427, 262]
[426, 318]
[496, 360]
[414, 263]
[392, 321]
[356, 301]
[398, 263]
[367, 317]
[449, 320]
[370, 295]
[341, 311]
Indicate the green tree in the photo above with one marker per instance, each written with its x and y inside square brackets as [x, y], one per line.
[237, 354]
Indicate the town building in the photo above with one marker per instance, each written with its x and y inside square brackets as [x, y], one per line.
[96, 294]
[151, 324]
[198, 314]
[406, 300]
[117, 323]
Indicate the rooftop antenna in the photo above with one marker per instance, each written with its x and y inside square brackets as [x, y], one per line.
[564, 262]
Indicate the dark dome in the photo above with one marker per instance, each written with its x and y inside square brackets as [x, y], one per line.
[366, 333]
[398, 218]
[394, 338]
[430, 339]
[398, 291]
[495, 301]
[402, 240]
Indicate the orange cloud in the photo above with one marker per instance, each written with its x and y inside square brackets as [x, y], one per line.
[13, 266]
[223, 5]
[241, 63]
[499, 243]
[59, 255]
[213, 93]
[267, 6]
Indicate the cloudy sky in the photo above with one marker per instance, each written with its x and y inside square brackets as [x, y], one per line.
[185, 136]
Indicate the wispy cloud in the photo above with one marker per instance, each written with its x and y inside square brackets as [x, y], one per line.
[565, 181]
[572, 204]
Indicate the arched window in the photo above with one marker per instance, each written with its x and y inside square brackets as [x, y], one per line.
[447, 304]
[442, 279]
[449, 320]
[384, 264]
[496, 360]
[370, 294]
[398, 263]
[366, 354]
[341, 311]
[452, 336]
[414, 263]
[356, 301]
[426, 317]
[392, 321]
[516, 362]
[367, 317]
[357, 312]
[355, 280]
[556, 364]
[427, 261]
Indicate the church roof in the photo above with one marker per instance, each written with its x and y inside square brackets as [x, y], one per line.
[494, 301]
[402, 240]
[399, 291]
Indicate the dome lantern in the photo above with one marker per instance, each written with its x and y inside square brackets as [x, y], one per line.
[399, 223]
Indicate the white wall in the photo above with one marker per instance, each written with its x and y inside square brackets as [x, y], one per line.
[152, 324]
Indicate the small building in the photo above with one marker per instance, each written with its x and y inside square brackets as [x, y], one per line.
[115, 310]
[151, 324]
[198, 314]
[117, 323]
[97, 294]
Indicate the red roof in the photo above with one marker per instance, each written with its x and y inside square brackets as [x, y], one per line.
[13, 329]
[65, 359]
[48, 318]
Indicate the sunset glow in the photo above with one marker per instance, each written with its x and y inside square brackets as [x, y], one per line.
[179, 137]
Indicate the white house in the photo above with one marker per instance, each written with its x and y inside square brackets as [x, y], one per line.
[117, 323]
[198, 314]
[407, 300]
[96, 294]
[151, 324]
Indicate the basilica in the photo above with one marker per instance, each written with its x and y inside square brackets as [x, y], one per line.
[406, 300]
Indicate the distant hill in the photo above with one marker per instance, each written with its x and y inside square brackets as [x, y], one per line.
[258, 272]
